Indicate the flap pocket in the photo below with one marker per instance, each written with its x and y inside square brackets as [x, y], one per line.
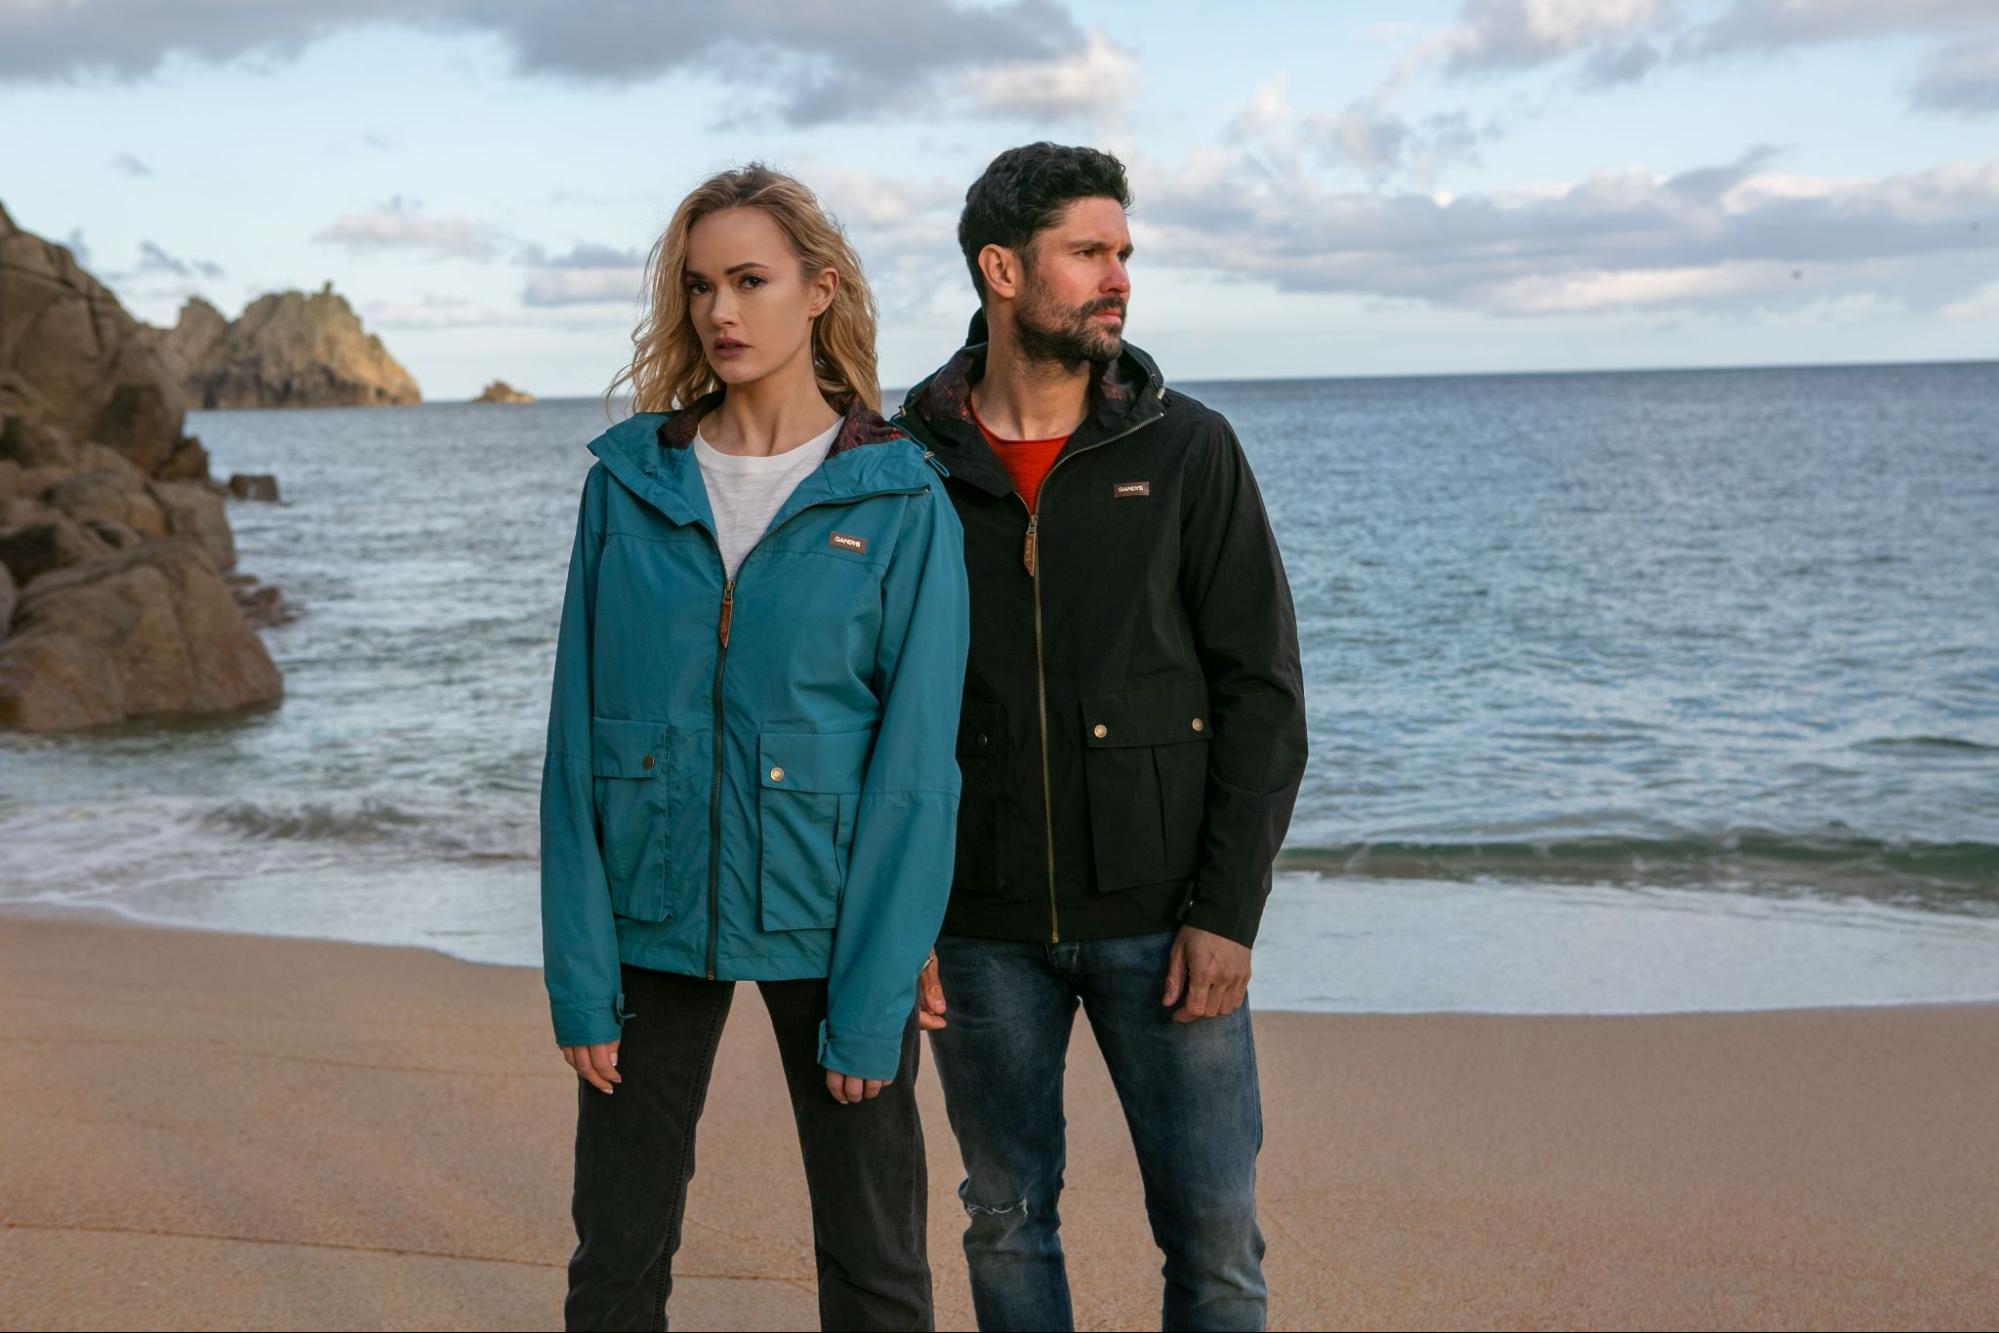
[979, 728]
[1154, 715]
[622, 749]
[813, 761]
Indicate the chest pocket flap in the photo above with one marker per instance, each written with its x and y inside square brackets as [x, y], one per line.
[621, 749]
[1155, 715]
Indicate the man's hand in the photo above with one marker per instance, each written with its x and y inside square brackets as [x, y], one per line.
[1211, 973]
[850, 1091]
[596, 1065]
[930, 997]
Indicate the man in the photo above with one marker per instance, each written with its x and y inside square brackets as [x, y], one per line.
[1132, 740]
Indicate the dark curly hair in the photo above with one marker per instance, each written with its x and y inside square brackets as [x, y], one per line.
[1025, 189]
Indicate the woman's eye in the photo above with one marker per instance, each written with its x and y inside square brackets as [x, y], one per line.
[696, 288]
[752, 280]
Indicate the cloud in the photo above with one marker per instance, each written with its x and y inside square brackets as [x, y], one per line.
[817, 61]
[153, 259]
[1099, 78]
[1772, 25]
[1369, 137]
[131, 165]
[1723, 237]
[584, 286]
[400, 224]
[583, 255]
[1963, 78]
[1622, 41]
[1493, 35]
[432, 312]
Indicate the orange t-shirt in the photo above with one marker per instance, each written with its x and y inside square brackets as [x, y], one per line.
[1027, 461]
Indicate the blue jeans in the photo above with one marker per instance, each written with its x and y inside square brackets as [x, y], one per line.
[1189, 1095]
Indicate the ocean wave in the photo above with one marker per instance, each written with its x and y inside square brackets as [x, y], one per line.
[1963, 875]
[375, 823]
[1928, 743]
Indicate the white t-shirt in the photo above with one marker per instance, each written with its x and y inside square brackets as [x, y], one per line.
[745, 490]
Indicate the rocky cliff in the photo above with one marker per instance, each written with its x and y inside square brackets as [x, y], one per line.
[114, 545]
[287, 349]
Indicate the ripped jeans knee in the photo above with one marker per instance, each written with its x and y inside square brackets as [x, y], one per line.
[975, 1209]
[998, 1221]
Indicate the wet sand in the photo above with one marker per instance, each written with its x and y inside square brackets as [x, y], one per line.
[224, 1131]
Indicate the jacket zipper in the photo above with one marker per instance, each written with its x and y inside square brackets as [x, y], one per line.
[1030, 555]
[723, 620]
[715, 792]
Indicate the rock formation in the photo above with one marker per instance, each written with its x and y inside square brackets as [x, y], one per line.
[114, 602]
[72, 360]
[287, 349]
[499, 391]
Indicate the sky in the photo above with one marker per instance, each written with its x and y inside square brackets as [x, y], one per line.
[1332, 188]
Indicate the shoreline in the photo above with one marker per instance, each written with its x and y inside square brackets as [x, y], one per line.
[264, 1131]
[1279, 953]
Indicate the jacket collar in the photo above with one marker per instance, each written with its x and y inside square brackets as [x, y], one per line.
[859, 424]
[1128, 392]
[648, 454]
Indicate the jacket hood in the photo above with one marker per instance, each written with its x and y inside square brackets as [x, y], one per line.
[648, 454]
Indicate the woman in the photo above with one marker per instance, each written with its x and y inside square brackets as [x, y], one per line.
[750, 771]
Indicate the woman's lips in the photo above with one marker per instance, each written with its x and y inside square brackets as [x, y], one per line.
[728, 347]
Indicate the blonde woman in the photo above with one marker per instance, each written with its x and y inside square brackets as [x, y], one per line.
[750, 772]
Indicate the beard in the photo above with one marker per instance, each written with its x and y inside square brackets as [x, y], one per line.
[1069, 338]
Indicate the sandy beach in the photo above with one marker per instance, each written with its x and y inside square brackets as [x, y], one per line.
[227, 1131]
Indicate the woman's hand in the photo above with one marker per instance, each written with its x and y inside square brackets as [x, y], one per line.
[850, 1091]
[596, 1065]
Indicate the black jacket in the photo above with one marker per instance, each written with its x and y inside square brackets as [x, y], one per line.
[1133, 732]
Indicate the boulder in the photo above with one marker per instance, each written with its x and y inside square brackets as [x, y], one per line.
[184, 348]
[188, 462]
[34, 444]
[113, 533]
[73, 360]
[195, 511]
[254, 486]
[30, 550]
[84, 496]
[499, 391]
[261, 603]
[136, 633]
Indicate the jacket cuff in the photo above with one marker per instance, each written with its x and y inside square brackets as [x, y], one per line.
[860, 1057]
[589, 1024]
[1233, 919]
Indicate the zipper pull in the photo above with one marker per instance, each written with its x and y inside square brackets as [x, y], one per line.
[728, 611]
[1027, 551]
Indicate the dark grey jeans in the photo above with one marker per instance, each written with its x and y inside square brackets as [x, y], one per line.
[635, 1154]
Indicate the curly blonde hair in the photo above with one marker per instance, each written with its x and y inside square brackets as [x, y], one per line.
[669, 368]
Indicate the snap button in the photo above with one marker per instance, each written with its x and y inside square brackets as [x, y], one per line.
[649, 469]
[646, 762]
[777, 775]
[1198, 724]
[982, 738]
[1100, 731]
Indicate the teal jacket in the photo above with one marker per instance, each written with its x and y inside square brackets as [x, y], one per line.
[755, 779]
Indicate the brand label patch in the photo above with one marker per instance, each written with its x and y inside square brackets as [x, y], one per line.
[1127, 490]
[846, 543]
